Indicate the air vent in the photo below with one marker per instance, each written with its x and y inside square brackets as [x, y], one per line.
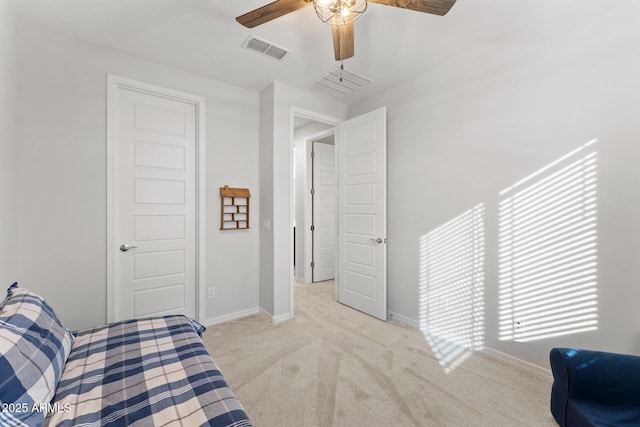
[339, 82]
[265, 48]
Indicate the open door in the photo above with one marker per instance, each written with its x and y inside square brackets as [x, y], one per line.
[323, 219]
[362, 211]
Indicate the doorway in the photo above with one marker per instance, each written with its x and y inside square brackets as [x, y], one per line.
[360, 158]
[307, 132]
[324, 195]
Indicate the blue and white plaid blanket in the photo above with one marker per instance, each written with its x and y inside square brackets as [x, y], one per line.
[145, 372]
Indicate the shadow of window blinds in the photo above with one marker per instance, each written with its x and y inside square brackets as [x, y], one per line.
[548, 250]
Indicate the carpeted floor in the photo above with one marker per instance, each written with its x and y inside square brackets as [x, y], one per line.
[334, 366]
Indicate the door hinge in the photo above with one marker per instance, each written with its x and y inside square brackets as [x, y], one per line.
[313, 191]
[313, 154]
[313, 227]
[313, 264]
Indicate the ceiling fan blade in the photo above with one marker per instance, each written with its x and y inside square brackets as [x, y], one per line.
[271, 11]
[343, 41]
[435, 7]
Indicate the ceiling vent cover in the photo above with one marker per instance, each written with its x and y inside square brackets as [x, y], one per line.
[340, 82]
[265, 48]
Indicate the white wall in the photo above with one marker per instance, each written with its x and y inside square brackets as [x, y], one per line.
[278, 104]
[460, 133]
[267, 109]
[8, 146]
[61, 183]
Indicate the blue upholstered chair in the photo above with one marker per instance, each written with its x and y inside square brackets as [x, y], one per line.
[595, 388]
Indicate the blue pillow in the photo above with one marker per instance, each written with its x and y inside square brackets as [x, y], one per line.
[34, 347]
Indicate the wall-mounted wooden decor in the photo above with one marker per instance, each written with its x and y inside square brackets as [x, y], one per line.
[234, 208]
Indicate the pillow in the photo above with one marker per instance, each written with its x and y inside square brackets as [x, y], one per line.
[34, 347]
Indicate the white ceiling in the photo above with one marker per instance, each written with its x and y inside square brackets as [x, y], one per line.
[391, 44]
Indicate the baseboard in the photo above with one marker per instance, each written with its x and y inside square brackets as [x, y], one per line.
[276, 319]
[413, 323]
[231, 316]
[519, 363]
[281, 318]
[495, 354]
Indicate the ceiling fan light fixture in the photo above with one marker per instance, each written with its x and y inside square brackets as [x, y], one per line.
[339, 12]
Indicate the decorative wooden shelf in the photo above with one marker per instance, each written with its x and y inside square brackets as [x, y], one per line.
[234, 208]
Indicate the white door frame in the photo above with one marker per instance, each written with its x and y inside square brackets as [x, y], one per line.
[114, 83]
[318, 117]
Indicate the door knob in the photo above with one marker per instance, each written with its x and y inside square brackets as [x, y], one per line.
[125, 247]
[378, 240]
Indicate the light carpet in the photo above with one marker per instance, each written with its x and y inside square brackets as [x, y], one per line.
[334, 366]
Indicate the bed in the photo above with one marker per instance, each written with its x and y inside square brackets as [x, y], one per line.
[138, 372]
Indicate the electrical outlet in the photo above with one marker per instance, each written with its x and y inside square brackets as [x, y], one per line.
[211, 293]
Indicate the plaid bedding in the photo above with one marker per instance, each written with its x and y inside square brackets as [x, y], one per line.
[143, 372]
[34, 346]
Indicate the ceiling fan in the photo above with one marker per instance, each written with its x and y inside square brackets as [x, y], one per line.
[340, 14]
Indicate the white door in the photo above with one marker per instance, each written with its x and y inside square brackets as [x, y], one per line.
[154, 197]
[324, 212]
[362, 260]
